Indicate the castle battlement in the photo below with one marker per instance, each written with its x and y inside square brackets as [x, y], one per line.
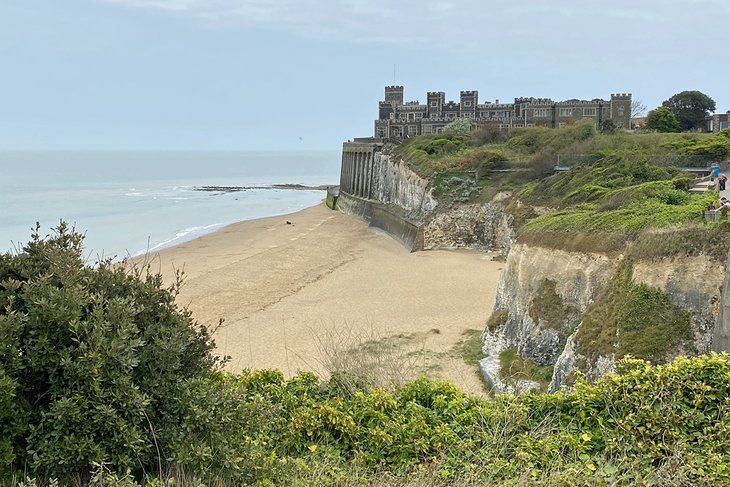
[398, 119]
[580, 102]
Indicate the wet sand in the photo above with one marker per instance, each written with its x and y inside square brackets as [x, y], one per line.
[295, 295]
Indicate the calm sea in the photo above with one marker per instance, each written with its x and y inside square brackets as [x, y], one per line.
[129, 202]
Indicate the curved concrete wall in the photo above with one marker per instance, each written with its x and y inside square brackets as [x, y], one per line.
[384, 218]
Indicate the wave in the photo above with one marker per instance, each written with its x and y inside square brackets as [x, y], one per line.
[180, 237]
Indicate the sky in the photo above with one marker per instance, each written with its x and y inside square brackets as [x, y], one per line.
[308, 74]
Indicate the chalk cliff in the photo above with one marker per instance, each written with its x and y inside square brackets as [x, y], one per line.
[560, 309]
[556, 311]
[481, 226]
[395, 183]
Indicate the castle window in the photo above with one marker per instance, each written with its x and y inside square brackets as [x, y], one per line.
[418, 116]
[467, 103]
[434, 103]
[467, 115]
[540, 112]
[566, 112]
[434, 115]
[451, 116]
[589, 112]
[412, 130]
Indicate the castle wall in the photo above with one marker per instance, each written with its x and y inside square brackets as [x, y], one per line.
[398, 119]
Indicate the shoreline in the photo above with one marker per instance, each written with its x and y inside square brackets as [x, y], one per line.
[296, 290]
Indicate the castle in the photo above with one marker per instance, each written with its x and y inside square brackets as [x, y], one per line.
[397, 119]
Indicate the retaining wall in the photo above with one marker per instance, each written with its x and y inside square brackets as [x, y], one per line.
[386, 218]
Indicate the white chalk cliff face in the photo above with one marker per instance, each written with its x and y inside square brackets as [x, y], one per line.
[543, 294]
[574, 277]
[395, 183]
[480, 226]
[575, 280]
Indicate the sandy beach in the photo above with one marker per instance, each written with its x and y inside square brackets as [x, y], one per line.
[304, 290]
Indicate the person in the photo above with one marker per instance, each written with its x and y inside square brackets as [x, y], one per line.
[711, 206]
[714, 171]
[723, 181]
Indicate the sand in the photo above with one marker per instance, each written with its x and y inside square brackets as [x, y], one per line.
[298, 290]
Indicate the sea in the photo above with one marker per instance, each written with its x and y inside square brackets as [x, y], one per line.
[129, 203]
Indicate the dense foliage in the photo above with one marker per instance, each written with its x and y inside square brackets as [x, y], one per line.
[662, 119]
[473, 167]
[690, 108]
[103, 380]
[94, 362]
[633, 319]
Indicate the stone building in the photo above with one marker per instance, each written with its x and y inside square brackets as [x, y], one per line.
[398, 119]
[717, 122]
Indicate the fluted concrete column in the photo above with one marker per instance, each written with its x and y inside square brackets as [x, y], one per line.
[360, 170]
[366, 174]
[343, 168]
[371, 164]
[348, 172]
[359, 173]
[353, 173]
[356, 189]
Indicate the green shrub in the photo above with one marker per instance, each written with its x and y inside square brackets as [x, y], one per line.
[497, 319]
[515, 368]
[91, 357]
[546, 307]
[634, 319]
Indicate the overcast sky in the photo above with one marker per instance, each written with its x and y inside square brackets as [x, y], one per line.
[308, 74]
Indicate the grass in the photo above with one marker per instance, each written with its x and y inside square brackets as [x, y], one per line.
[632, 319]
[711, 240]
[497, 319]
[370, 358]
[546, 307]
[469, 347]
[515, 368]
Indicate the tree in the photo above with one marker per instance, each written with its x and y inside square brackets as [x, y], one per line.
[458, 126]
[637, 108]
[662, 119]
[608, 126]
[690, 108]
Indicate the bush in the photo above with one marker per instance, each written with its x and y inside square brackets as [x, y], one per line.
[90, 357]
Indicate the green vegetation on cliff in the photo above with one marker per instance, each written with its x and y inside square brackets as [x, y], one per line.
[633, 319]
[105, 381]
[618, 187]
